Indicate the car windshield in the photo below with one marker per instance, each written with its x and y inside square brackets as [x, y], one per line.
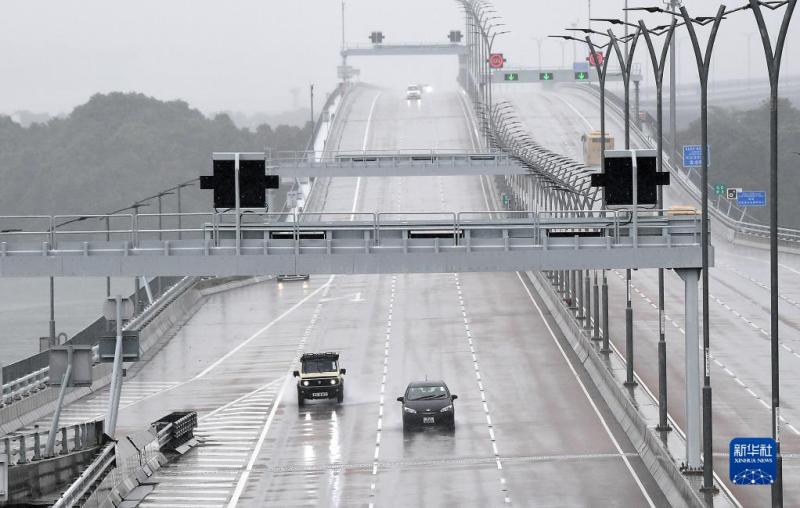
[413, 89]
[319, 365]
[426, 392]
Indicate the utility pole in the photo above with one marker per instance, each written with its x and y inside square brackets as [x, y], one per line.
[52, 340]
[313, 120]
[774, 57]
[344, 57]
[703, 61]
[673, 71]
[626, 43]
[658, 64]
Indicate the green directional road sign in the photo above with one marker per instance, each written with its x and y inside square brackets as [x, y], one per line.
[581, 76]
[545, 76]
[720, 189]
[511, 76]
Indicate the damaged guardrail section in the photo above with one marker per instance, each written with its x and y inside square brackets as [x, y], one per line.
[167, 438]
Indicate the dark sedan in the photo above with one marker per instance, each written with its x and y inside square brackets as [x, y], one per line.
[428, 403]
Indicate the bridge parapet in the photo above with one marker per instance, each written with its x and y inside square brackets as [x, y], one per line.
[31, 446]
[360, 243]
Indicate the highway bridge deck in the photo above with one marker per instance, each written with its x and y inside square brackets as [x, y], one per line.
[740, 365]
[529, 425]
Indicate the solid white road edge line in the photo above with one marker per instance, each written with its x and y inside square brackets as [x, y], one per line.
[588, 397]
[364, 149]
[242, 482]
[259, 332]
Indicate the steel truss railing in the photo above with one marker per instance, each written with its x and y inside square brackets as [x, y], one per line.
[564, 182]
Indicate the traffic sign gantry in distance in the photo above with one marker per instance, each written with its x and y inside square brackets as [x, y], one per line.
[496, 60]
[511, 76]
[376, 37]
[545, 76]
[253, 183]
[581, 76]
[455, 36]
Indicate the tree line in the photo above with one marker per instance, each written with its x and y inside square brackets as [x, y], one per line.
[119, 148]
[739, 144]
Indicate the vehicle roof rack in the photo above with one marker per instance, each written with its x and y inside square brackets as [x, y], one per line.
[320, 356]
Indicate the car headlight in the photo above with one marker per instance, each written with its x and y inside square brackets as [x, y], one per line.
[409, 410]
[446, 409]
[305, 383]
[333, 381]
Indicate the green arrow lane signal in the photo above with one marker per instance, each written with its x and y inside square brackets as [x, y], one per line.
[581, 76]
[720, 189]
[511, 76]
[545, 76]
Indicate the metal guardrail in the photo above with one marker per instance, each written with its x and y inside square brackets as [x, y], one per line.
[293, 156]
[788, 236]
[140, 237]
[355, 242]
[175, 429]
[16, 389]
[32, 446]
[382, 162]
[93, 475]
[566, 180]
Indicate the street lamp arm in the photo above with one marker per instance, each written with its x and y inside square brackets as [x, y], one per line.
[773, 56]
[659, 64]
[703, 61]
[614, 21]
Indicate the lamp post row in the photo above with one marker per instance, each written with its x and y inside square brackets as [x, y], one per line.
[703, 60]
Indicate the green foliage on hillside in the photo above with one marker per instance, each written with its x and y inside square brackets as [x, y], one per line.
[119, 148]
[739, 141]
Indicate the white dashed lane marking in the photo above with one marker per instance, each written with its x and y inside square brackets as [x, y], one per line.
[477, 370]
[787, 299]
[725, 368]
[382, 399]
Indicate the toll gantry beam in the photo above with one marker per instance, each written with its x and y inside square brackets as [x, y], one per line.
[383, 163]
[347, 243]
[408, 49]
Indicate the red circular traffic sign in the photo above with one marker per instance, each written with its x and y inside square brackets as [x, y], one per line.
[496, 60]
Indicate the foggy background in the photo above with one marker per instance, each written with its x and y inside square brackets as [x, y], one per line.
[255, 56]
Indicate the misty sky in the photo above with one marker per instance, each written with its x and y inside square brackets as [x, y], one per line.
[247, 55]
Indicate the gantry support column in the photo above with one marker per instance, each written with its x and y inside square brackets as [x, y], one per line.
[693, 372]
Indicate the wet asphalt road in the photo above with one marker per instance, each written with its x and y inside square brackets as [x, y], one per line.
[526, 433]
[530, 428]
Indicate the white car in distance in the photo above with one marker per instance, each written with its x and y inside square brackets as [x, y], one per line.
[414, 93]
